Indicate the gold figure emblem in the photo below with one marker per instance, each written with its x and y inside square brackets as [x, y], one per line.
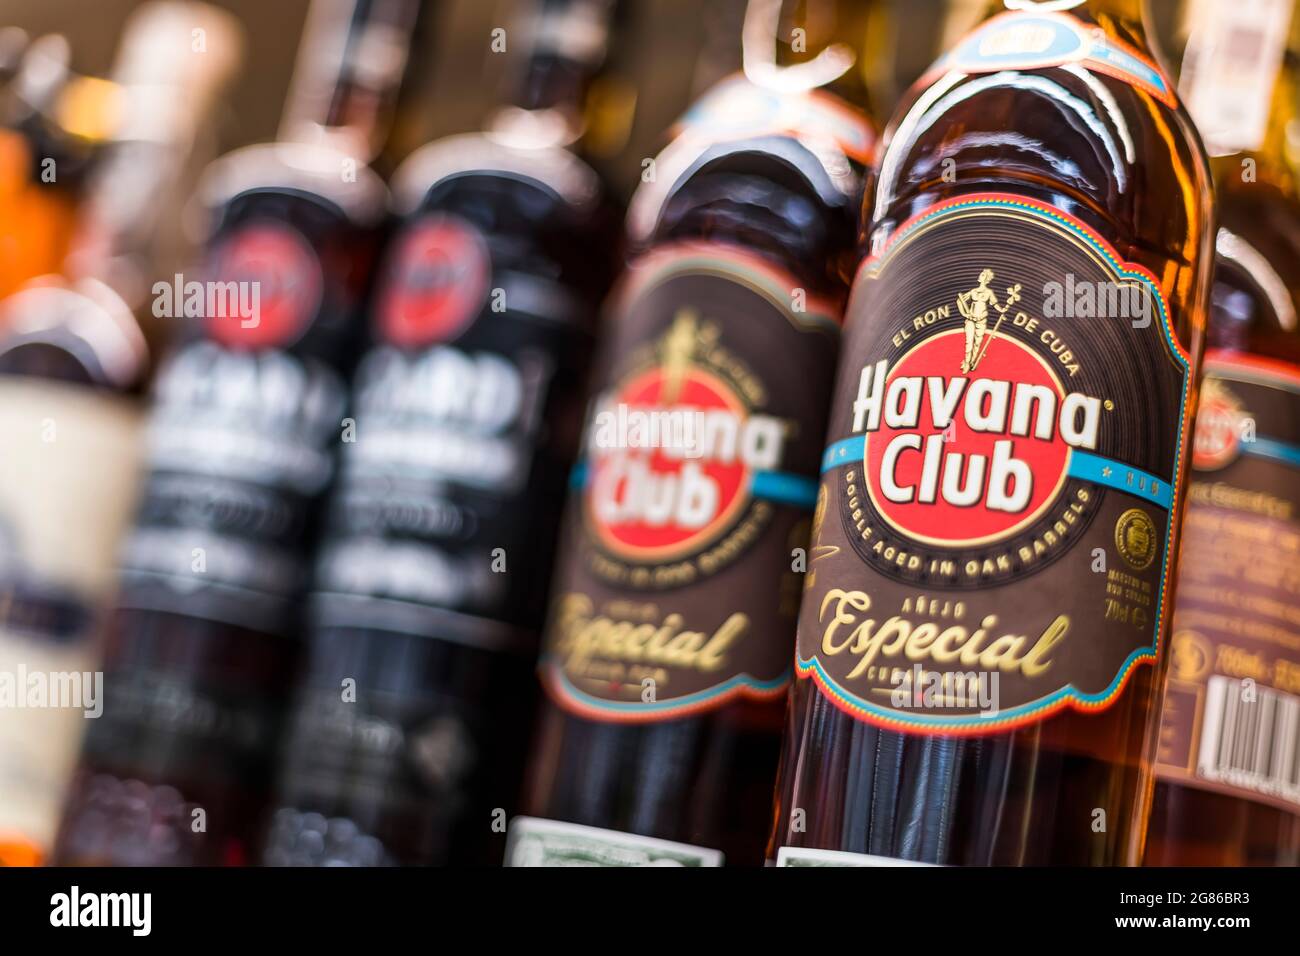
[974, 308]
[678, 348]
[1135, 538]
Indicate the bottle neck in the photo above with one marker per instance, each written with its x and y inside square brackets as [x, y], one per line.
[1239, 79]
[569, 39]
[1276, 148]
[351, 61]
[567, 44]
[797, 45]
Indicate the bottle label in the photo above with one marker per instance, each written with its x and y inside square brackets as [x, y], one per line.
[534, 842]
[993, 529]
[240, 442]
[57, 543]
[807, 856]
[446, 498]
[679, 584]
[1231, 717]
[1233, 58]
[1037, 40]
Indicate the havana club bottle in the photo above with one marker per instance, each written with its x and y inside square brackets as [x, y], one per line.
[1227, 764]
[987, 603]
[666, 657]
[406, 744]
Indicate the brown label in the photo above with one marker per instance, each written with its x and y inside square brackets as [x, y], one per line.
[679, 581]
[1231, 718]
[993, 526]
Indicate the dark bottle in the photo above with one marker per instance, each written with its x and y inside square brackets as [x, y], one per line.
[1227, 765]
[408, 735]
[986, 608]
[201, 646]
[72, 362]
[667, 654]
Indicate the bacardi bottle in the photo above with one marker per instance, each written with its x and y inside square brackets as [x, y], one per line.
[408, 735]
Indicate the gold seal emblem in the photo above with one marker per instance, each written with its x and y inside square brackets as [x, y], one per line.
[1135, 537]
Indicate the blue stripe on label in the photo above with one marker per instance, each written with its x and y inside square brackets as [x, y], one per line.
[784, 488]
[1268, 448]
[1094, 468]
[673, 704]
[1122, 477]
[976, 50]
[578, 477]
[843, 452]
[778, 486]
[1128, 63]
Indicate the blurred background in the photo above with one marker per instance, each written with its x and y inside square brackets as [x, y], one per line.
[671, 52]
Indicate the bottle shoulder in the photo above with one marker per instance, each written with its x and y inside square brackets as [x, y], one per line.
[1121, 160]
[1256, 298]
[770, 196]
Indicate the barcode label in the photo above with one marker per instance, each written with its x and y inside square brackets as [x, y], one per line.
[1250, 738]
[1233, 58]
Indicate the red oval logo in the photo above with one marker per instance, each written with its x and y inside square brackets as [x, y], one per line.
[655, 497]
[967, 459]
[436, 282]
[267, 287]
[1219, 420]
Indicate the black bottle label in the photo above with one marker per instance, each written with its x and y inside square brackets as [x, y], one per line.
[993, 529]
[453, 476]
[679, 582]
[241, 440]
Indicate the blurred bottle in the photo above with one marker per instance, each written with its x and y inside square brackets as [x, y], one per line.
[351, 73]
[668, 651]
[408, 737]
[72, 358]
[1228, 761]
[203, 640]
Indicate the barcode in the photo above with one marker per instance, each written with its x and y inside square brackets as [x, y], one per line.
[1250, 738]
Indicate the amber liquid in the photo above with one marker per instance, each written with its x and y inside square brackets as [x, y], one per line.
[36, 220]
[1029, 796]
[1190, 826]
